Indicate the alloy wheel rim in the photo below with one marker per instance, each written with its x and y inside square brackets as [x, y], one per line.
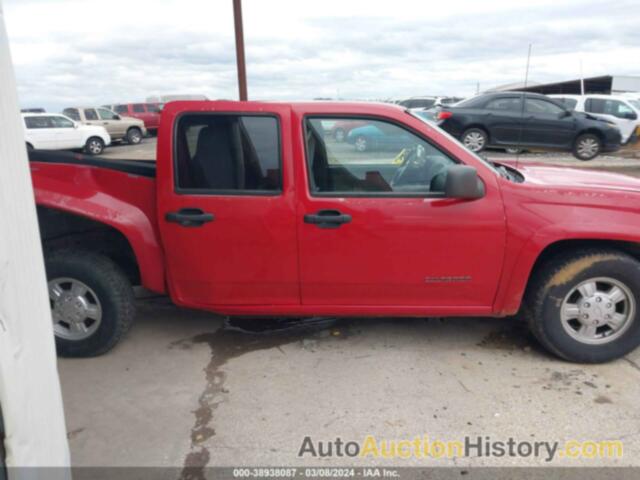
[94, 146]
[598, 310]
[361, 144]
[474, 141]
[75, 308]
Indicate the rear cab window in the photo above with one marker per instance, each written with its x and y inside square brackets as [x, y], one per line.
[219, 154]
[376, 158]
[138, 108]
[121, 109]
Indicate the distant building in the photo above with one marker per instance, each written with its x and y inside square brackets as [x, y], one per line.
[606, 84]
[171, 98]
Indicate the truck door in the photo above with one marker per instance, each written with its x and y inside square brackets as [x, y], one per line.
[226, 208]
[376, 230]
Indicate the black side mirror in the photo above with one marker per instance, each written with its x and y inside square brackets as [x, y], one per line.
[565, 114]
[117, 117]
[630, 115]
[463, 182]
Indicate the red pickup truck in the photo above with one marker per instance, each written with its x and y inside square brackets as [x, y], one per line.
[254, 209]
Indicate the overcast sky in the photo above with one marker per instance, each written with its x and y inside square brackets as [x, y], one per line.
[72, 52]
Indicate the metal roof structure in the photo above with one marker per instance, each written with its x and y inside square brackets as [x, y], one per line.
[606, 84]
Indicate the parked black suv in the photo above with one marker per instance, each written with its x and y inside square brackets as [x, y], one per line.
[502, 120]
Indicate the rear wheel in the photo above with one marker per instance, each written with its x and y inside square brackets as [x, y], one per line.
[584, 306]
[94, 146]
[134, 136]
[475, 139]
[587, 146]
[92, 302]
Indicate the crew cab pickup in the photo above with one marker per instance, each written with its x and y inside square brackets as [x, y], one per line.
[254, 209]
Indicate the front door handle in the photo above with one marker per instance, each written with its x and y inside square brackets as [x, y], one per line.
[189, 217]
[327, 218]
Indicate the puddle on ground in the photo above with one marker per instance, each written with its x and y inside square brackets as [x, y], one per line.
[235, 338]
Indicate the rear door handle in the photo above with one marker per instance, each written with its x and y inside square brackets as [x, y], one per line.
[327, 218]
[189, 217]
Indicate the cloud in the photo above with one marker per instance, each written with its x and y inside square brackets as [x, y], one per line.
[354, 49]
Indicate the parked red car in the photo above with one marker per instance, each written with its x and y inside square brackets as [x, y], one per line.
[249, 211]
[149, 113]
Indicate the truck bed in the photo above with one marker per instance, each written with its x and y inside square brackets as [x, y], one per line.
[143, 168]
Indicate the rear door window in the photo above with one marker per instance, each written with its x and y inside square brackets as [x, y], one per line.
[228, 153]
[505, 104]
[138, 108]
[90, 114]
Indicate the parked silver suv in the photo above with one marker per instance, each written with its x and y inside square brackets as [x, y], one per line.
[120, 128]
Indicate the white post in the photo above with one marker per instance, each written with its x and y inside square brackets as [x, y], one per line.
[30, 397]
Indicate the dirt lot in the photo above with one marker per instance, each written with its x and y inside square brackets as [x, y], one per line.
[184, 390]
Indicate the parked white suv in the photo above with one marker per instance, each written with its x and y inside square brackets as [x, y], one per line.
[621, 110]
[52, 131]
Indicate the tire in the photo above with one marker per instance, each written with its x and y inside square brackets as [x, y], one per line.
[570, 321]
[587, 147]
[361, 144]
[107, 304]
[513, 150]
[94, 146]
[134, 136]
[339, 135]
[475, 139]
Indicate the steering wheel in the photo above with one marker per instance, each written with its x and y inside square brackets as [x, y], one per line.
[401, 172]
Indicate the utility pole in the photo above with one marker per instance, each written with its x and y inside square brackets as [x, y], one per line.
[242, 70]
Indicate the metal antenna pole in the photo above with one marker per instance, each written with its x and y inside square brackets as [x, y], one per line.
[242, 71]
[526, 79]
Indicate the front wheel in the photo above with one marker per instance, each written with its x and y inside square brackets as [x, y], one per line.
[92, 302]
[94, 146]
[475, 139]
[587, 147]
[361, 144]
[134, 136]
[584, 306]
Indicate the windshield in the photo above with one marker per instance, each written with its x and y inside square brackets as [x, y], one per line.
[480, 158]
